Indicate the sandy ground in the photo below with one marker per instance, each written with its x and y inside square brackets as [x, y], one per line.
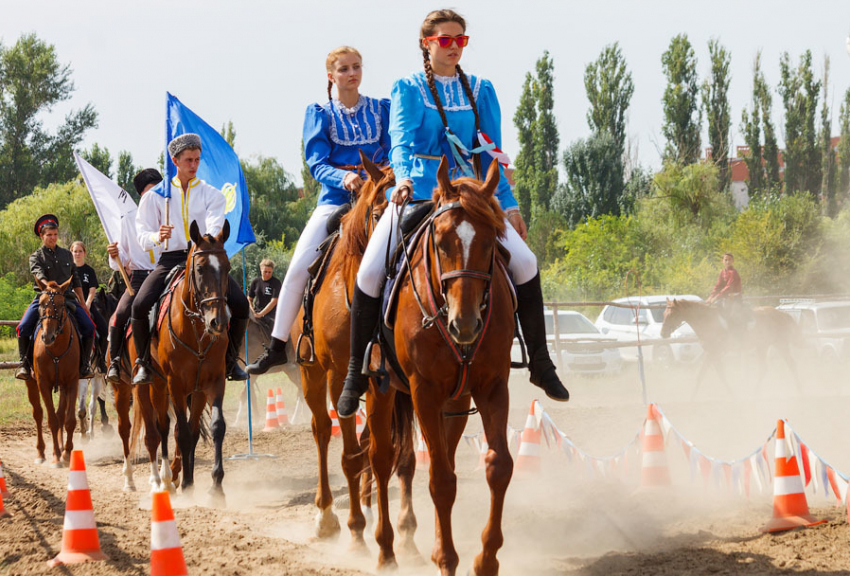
[560, 522]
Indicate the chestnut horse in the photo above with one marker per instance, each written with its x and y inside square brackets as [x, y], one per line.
[331, 344]
[56, 365]
[769, 327]
[453, 333]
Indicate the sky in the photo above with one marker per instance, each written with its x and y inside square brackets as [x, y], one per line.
[259, 63]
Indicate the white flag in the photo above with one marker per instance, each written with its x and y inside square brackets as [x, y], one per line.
[116, 209]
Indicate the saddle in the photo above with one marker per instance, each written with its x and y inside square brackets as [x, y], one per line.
[160, 310]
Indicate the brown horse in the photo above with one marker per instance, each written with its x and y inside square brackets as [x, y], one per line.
[768, 327]
[455, 305]
[331, 343]
[56, 365]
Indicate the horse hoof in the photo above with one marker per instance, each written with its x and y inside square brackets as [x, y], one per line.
[57, 464]
[386, 565]
[129, 488]
[358, 547]
[107, 430]
[327, 524]
[39, 460]
[217, 499]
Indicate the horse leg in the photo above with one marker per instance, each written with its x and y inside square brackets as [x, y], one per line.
[380, 408]
[38, 416]
[163, 425]
[406, 518]
[183, 438]
[352, 466]
[122, 407]
[443, 481]
[70, 391]
[96, 388]
[315, 390]
[52, 422]
[493, 408]
[218, 427]
[81, 408]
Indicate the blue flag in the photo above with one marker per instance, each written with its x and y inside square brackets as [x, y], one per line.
[219, 167]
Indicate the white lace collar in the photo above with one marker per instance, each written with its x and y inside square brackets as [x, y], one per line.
[444, 79]
[350, 111]
[454, 96]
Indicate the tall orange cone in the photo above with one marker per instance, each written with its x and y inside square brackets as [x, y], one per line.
[166, 551]
[282, 416]
[335, 429]
[654, 471]
[271, 413]
[3, 511]
[423, 459]
[80, 541]
[528, 458]
[790, 508]
[3, 490]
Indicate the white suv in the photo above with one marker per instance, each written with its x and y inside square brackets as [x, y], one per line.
[825, 325]
[620, 323]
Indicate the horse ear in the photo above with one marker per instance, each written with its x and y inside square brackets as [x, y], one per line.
[195, 232]
[443, 179]
[225, 232]
[42, 284]
[492, 180]
[65, 284]
[375, 174]
[669, 302]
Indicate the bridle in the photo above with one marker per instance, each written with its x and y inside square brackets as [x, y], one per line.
[435, 315]
[56, 315]
[193, 287]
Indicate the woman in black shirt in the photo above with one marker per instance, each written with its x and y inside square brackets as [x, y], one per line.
[88, 279]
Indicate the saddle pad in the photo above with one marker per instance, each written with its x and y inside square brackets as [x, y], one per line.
[160, 310]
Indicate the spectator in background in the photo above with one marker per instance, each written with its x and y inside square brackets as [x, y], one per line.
[263, 294]
[88, 279]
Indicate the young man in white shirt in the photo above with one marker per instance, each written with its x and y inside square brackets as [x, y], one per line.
[192, 199]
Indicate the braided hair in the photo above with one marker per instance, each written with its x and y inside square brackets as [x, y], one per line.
[432, 20]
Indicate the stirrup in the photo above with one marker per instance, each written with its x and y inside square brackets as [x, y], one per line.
[300, 359]
[380, 372]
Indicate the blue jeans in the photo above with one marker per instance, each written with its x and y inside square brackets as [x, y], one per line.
[29, 320]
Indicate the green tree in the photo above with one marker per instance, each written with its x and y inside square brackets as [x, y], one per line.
[609, 88]
[311, 187]
[826, 151]
[126, 172]
[229, 133]
[524, 117]
[843, 176]
[546, 140]
[715, 100]
[32, 82]
[594, 180]
[100, 158]
[682, 113]
[770, 150]
[751, 129]
[277, 212]
[799, 91]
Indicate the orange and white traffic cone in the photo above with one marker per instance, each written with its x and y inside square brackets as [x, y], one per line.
[282, 416]
[423, 459]
[3, 511]
[528, 458]
[80, 542]
[790, 508]
[482, 453]
[654, 471]
[166, 551]
[335, 429]
[271, 413]
[359, 422]
[3, 490]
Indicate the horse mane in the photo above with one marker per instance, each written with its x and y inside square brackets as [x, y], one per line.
[353, 237]
[683, 303]
[485, 211]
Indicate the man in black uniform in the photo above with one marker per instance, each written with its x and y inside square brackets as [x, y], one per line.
[263, 294]
[52, 262]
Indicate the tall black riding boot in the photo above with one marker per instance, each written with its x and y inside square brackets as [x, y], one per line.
[23, 373]
[85, 357]
[365, 314]
[530, 312]
[236, 338]
[116, 341]
[274, 355]
[142, 340]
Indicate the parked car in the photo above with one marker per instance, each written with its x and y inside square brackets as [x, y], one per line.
[575, 334]
[621, 324]
[826, 325]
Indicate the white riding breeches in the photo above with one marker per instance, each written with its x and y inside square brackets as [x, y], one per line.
[370, 276]
[292, 291]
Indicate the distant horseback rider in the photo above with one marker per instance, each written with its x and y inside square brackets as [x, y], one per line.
[197, 201]
[139, 262]
[727, 290]
[54, 263]
[334, 135]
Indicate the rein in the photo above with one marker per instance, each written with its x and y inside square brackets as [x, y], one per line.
[464, 354]
[62, 319]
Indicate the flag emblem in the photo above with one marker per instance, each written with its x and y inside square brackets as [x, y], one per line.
[229, 191]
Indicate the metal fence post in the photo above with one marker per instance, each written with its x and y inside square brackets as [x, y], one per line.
[557, 330]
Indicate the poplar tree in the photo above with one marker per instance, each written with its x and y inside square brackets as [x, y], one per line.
[751, 130]
[682, 113]
[770, 150]
[546, 140]
[799, 91]
[715, 100]
[826, 152]
[524, 117]
[609, 87]
[843, 176]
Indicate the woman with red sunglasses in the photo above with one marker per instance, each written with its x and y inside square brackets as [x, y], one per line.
[442, 111]
[334, 134]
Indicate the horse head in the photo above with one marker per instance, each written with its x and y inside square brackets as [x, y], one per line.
[206, 270]
[371, 202]
[51, 309]
[673, 317]
[466, 223]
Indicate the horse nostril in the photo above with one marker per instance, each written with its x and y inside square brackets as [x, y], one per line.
[214, 323]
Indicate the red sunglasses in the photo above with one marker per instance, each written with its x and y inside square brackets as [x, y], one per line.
[446, 41]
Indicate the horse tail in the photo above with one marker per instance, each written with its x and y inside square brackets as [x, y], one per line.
[402, 430]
